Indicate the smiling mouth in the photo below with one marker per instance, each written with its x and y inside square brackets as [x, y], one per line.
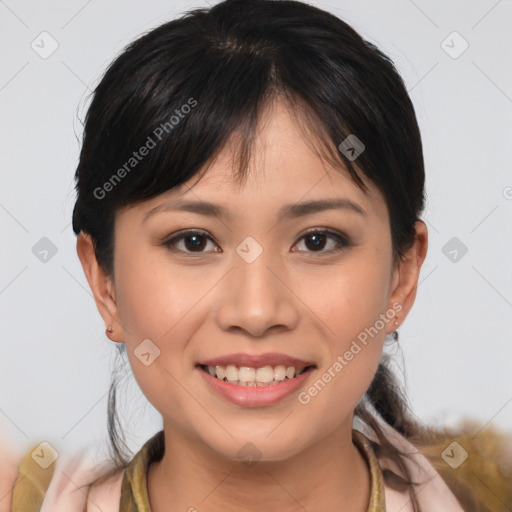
[255, 377]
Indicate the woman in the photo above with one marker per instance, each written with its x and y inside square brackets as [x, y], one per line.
[250, 189]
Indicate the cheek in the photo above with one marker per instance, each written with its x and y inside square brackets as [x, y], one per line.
[349, 297]
[350, 302]
[152, 297]
[159, 303]
[153, 307]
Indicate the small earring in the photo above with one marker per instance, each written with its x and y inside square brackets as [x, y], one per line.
[110, 329]
[395, 332]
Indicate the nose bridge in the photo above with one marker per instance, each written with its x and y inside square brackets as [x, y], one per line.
[253, 275]
[255, 299]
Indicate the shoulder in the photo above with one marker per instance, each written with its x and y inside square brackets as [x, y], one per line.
[467, 468]
[77, 483]
[475, 461]
[105, 493]
[431, 492]
[24, 479]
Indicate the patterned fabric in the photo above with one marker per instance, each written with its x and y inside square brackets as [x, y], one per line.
[134, 493]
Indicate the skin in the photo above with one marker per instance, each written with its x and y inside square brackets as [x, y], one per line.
[294, 298]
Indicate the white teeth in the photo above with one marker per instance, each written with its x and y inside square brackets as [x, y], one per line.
[247, 376]
[221, 372]
[265, 374]
[231, 373]
[279, 372]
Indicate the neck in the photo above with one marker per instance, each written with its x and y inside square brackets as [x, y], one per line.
[330, 475]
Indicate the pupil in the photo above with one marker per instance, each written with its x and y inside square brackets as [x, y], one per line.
[317, 236]
[199, 241]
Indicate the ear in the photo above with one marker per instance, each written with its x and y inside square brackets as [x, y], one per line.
[406, 274]
[101, 285]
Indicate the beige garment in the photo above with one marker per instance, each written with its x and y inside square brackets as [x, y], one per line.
[126, 491]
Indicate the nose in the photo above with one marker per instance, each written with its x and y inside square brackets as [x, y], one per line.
[256, 298]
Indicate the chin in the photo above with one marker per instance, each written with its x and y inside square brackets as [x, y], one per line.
[249, 448]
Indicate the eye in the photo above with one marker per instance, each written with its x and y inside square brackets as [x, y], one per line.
[318, 239]
[194, 242]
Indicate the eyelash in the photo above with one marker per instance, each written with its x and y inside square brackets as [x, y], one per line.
[333, 235]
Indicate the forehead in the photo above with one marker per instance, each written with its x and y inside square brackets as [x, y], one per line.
[283, 168]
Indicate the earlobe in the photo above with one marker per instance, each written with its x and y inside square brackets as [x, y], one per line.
[101, 285]
[406, 274]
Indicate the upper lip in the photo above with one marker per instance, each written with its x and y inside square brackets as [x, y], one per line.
[257, 361]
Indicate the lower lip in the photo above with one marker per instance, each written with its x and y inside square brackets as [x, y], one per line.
[256, 396]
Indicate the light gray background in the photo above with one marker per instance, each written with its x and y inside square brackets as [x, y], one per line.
[55, 360]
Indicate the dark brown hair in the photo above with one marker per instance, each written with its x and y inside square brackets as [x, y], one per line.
[226, 63]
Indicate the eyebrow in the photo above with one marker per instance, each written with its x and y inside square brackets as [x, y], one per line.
[289, 211]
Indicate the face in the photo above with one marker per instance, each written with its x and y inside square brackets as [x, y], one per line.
[261, 292]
